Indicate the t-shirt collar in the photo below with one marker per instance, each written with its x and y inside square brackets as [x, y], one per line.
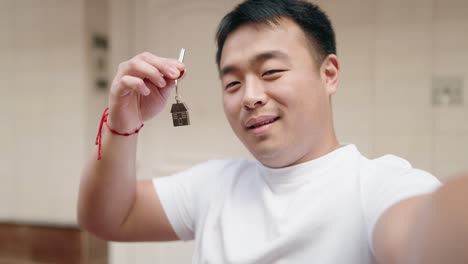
[300, 173]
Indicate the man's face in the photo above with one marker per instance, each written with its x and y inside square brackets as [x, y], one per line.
[275, 97]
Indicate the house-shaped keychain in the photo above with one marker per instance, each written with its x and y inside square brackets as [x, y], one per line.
[180, 114]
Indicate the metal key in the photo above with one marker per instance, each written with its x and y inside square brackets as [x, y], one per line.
[179, 110]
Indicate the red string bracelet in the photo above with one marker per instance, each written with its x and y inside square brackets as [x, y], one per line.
[105, 114]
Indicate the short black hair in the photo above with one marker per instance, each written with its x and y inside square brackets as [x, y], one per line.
[311, 19]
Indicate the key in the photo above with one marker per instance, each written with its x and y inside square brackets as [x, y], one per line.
[179, 110]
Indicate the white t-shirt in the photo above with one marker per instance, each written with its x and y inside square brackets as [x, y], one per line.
[322, 211]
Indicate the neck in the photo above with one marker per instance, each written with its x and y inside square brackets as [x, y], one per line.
[321, 149]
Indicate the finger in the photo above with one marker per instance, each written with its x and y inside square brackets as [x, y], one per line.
[183, 74]
[170, 68]
[142, 69]
[164, 92]
[131, 83]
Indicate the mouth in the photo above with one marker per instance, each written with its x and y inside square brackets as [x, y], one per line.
[260, 121]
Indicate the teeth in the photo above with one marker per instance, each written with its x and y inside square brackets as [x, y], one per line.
[263, 123]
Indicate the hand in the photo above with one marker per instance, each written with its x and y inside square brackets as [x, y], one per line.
[140, 90]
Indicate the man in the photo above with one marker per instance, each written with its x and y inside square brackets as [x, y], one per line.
[306, 198]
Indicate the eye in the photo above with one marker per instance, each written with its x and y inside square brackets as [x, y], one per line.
[271, 73]
[231, 84]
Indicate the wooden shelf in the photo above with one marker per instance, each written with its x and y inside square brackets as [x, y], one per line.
[34, 244]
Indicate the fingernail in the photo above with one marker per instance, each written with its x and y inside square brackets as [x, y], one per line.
[161, 82]
[174, 72]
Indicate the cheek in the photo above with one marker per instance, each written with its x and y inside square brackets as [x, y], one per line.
[302, 101]
[231, 107]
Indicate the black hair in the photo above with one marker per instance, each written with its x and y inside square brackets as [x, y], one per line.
[311, 19]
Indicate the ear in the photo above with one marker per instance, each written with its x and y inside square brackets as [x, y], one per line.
[329, 72]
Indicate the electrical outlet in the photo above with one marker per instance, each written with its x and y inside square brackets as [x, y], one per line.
[447, 90]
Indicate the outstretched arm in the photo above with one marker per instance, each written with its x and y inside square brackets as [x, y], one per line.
[427, 229]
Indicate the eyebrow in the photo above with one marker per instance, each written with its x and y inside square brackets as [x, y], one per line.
[259, 58]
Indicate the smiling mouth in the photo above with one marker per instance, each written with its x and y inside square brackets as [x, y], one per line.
[266, 122]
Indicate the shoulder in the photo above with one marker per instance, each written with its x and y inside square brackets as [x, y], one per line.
[213, 172]
[203, 182]
[390, 168]
[387, 164]
[388, 180]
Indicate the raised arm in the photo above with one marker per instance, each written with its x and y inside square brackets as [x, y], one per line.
[427, 229]
[112, 204]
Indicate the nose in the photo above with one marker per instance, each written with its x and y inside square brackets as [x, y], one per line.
[254, 95]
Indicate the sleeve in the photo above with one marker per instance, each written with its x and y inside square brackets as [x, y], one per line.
[182, 195]
[388, 181]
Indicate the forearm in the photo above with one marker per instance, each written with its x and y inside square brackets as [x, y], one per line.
[108, 186]
[441, 233]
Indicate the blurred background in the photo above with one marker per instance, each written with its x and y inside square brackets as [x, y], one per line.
[403, 91]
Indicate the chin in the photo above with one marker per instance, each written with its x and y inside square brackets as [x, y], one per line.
[275, 162]
[272, 157]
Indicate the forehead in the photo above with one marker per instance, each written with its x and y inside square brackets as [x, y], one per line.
[252, 39]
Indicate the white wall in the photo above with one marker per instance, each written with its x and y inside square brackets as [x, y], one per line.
[42, 77]
[97, 22]
[450, 56]
[390, 53]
